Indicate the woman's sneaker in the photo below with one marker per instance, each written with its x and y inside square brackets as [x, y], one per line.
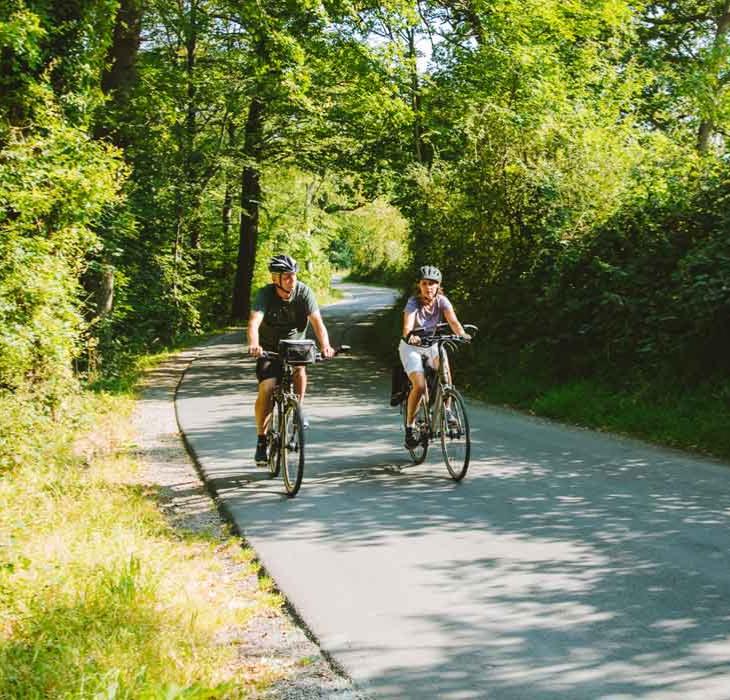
[412, 440]
[261, 458]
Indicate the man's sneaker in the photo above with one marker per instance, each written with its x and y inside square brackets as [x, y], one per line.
[261, 458]
[412, 440]
[305, 419]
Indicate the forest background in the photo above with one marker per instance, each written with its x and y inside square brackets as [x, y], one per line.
[564, 162]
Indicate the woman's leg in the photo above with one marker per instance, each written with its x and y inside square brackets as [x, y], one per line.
[411, 358]
[418, 387]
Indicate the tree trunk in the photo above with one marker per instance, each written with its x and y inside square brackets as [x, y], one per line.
[707, 125]
[227, 221]
[122, 55]
[250, 202]
[118, 79]
[226, 267]
[465, 11]
[704, 134]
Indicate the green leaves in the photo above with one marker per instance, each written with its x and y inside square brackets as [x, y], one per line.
[53, 188]
[20, 34]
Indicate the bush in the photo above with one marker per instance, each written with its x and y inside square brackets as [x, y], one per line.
[54, 184]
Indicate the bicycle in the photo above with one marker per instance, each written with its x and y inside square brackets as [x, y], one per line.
[285, 433]
[441, 412]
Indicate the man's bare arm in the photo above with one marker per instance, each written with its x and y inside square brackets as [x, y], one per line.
[321, 332]
[254, 321]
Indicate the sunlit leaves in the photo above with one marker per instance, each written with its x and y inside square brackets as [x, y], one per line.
[53, 189]
[20, 33]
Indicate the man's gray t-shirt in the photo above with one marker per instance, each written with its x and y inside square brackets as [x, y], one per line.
[283, 319]
[424, 320]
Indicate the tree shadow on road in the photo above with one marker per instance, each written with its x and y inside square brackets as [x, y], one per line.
[605, 562]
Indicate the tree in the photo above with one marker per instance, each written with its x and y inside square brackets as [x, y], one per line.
[686, 44]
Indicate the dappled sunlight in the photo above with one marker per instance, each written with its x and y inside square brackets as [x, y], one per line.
[566, 565]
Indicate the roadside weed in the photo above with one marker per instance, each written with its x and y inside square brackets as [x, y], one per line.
[99, 596]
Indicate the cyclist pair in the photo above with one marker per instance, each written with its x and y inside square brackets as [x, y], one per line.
[282, 311]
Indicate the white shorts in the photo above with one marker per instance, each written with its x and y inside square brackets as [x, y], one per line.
[410, 356]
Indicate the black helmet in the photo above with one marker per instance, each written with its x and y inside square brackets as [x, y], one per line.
[283, 263]
[429, 272]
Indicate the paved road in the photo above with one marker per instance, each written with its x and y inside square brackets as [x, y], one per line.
[568, 564]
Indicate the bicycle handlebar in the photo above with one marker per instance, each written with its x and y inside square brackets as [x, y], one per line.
[319, 357]
[428, 342]
[438, 337]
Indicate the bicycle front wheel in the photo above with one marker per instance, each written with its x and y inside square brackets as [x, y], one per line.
[273, 439]
[418, 453]
[454, 429]
[292, 448]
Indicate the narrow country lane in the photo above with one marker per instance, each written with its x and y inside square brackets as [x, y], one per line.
[567, 564]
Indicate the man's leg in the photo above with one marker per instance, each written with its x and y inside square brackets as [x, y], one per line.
[262, 411]
[264, 403]
[299, 377]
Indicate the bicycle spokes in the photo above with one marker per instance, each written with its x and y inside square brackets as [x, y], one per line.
[454, 430]
[292, 448]
[273, 441]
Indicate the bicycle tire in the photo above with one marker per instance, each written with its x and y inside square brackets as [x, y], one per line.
[292, 448]
[455, 437]
[418, 454]
[273, 440]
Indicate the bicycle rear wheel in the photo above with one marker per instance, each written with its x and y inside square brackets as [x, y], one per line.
[418, 454]
[292, 448]
[273, 439]
[454, 429]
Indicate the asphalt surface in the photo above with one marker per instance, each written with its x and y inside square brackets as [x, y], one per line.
[567, 564]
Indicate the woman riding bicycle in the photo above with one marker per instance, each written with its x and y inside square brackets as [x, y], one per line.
[422, 314]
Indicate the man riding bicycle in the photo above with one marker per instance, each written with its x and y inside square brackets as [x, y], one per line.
[422, 313]
[282, 310]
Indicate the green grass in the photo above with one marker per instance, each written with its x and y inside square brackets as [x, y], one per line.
[693, 418]
[99, 596]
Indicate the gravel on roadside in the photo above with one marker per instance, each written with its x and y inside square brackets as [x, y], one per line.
[273, 639]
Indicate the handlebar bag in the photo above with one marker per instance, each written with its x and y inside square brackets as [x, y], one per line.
[298, 352]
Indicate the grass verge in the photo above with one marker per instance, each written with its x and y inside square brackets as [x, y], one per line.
[689, 418]
[99, 596]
